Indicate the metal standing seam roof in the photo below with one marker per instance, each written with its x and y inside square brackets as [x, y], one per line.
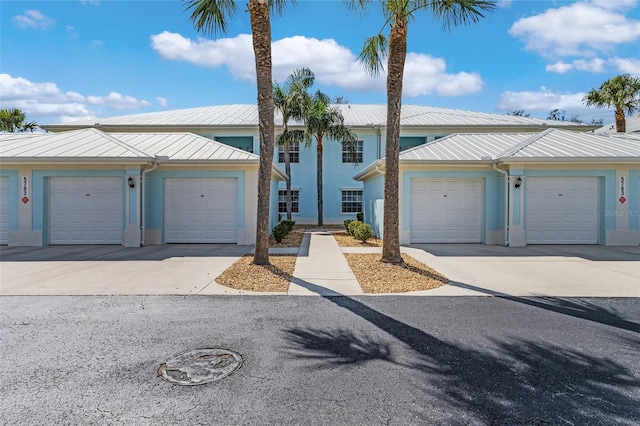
[75, 144]
[562, 144]
[356, 115]
[465, 147]
[549, 145]
[184, 146]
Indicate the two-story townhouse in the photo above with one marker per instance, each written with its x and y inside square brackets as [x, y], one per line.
[237, 126]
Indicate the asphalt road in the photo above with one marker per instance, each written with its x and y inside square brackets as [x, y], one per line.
[322, 361]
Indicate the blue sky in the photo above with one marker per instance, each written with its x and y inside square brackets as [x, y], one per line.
[69, 60]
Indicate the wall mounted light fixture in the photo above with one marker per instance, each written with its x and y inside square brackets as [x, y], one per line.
[518, 182]
[131, 183]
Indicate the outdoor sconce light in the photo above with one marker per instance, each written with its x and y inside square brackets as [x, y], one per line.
[518, 182]
[131, 183]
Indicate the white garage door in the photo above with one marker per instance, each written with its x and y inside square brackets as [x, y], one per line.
[201, 210]
[446, 210]
[4, 210]
[561, 210]
[85, 210]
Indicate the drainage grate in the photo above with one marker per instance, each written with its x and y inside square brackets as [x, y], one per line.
[200, 366]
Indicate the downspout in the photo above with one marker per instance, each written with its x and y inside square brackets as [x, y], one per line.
[143, 221]
[506, 203]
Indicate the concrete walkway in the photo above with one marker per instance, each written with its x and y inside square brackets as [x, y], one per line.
[321, 268]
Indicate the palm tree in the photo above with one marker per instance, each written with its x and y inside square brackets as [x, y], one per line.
[397, 14]
[210, 16]
[13, 119]
[322, 120]
[621, 92]
[292, 100]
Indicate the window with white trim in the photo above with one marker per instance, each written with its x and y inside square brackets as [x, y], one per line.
[294, 153]
[351, 200]
[352, 154]
[282, 200]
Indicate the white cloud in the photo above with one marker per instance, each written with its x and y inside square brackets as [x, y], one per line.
[47, 100]
[70, 28]
[162, 101]
[545, 100]
[541, 100]
[332, 63]
[627, 65]
[92, 2]
[33, 19]
[580, 29]
[116, 100]
[597, 65]
[504, 4]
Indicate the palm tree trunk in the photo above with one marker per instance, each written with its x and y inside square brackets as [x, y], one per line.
[261, 31]
[621, 124]
[287, 170]
[395, 72]
[319, 180]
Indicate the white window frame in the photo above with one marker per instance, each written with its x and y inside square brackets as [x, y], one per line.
[294, 153]
[348, 155]
[350, 192]
[295, 200]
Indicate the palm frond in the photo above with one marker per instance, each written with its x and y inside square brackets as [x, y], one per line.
[453, 13]
[277, 7]
[211, 16]
[358, 5]
[373, 54]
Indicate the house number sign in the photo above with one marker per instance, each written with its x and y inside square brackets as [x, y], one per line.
[24, 189]
[622, 191]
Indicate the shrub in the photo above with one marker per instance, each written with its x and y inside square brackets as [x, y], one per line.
[282, 229]
[288, 224]
[352, 226]
[363, 232]
[360, 217]
[346, 223]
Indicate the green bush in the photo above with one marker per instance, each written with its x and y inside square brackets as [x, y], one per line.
[288, 224]
[360, 217]
[346, 223]
[363, 232]
[282, 229]
[352, 226]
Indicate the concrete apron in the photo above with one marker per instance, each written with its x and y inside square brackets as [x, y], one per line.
[475, 270]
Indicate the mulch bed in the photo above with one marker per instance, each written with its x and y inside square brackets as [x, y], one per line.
[344, 239]
[244, 275]
[375, 276]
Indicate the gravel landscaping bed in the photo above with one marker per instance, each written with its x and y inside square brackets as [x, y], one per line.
[244, 275]
[345, 240]
[375, 276]
[293, 239]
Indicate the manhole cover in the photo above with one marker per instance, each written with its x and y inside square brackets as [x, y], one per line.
[200, 366]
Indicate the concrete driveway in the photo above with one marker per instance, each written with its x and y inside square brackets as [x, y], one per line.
[189, 269]
[558, 271]
[102, 270]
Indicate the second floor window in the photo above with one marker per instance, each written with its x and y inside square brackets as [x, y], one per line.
[352, 153]
[294, 153]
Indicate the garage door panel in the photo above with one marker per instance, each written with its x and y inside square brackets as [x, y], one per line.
[446, 210]
[201, 210]
[85, 210]
[562, 210]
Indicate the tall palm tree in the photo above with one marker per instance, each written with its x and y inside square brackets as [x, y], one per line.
[292, 100]
[398, 14]
[13, 119]
[621, 92]
[323, 120]
[211, 17]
